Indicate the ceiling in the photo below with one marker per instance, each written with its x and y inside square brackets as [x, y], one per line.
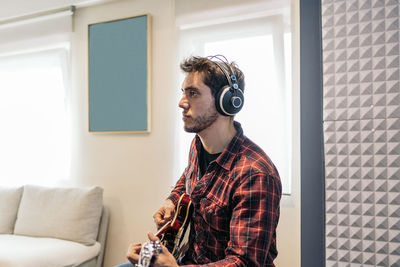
[16, 8]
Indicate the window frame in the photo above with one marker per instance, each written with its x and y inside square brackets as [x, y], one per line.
[189, 44]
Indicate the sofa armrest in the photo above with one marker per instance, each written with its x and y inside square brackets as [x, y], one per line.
[102, 235]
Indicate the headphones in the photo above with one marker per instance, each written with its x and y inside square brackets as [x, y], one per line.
[229, 99]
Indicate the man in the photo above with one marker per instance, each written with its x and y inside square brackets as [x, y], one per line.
[234, 187]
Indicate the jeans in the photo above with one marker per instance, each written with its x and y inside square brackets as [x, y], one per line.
[128, 264]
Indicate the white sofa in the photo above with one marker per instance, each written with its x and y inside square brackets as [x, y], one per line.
[52, 226]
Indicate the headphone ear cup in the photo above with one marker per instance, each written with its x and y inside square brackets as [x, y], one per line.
[229, 101]
[217, 100]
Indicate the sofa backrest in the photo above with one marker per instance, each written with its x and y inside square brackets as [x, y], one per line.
[10, 198]
[57, 212]
[65, 213]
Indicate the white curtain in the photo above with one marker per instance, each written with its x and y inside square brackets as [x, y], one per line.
[34, 81]
[36, 33]
[259, 42]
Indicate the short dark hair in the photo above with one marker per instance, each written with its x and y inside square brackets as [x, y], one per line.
[214, 77]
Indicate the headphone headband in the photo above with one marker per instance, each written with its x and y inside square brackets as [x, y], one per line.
[227, 75]
[229, 99]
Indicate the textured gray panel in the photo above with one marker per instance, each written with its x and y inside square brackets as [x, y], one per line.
[361, 112]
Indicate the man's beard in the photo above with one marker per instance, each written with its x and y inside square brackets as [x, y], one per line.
[202, 122]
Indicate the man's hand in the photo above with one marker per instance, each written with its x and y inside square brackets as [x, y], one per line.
[164, 214]
[165, 258]
[133, 253]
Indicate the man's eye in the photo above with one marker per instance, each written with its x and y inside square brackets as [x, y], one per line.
[193, 93]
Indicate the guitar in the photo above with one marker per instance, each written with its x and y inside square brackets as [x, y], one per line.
[170, 235]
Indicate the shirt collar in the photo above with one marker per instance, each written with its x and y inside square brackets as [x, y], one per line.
[225, 160]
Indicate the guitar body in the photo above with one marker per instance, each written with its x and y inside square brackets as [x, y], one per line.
[172, 233]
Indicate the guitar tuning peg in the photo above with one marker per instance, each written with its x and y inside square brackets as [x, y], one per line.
[157, 246]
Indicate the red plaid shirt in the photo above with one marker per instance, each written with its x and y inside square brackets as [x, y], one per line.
[236, 206]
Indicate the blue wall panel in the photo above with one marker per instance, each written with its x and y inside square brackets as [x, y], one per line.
[118, 75]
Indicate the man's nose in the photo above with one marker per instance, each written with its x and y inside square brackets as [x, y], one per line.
[183, 103]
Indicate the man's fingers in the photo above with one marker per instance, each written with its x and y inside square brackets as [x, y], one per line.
[158, 219]
[157, 216]
[133, 252]
[167, 214]
[152, 237]
[134, 247]
[133, 259]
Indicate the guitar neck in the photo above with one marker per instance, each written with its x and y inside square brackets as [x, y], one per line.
[163, 229]
[171, 233]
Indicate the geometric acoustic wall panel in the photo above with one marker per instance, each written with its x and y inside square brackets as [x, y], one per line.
[361, 112]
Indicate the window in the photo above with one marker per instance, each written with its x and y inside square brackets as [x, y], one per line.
[261, 47]
[34, 132]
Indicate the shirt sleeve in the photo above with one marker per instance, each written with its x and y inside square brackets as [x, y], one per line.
[254, 219]
[179, 189]
[180, 186]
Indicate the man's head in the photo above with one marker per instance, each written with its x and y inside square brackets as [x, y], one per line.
[204, 81]
[214, 77]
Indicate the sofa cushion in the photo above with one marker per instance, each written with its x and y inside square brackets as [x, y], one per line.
[65, 213]
[22, 251]
[9, 202]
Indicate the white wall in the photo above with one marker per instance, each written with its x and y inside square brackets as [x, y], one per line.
[135, 170]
